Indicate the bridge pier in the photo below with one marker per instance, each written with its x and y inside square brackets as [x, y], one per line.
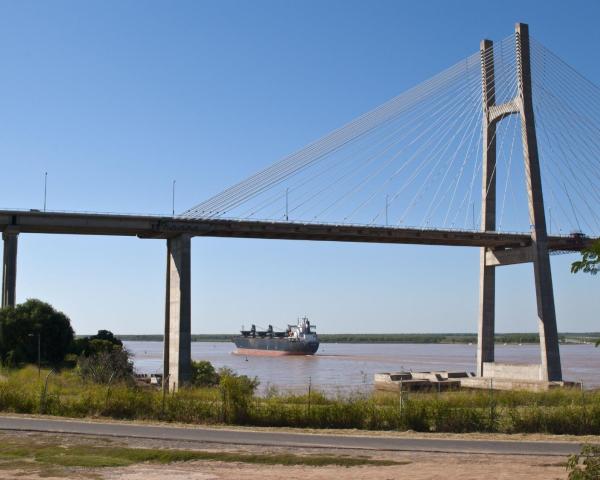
[9, 268]
[177, 368]
[522, 104]
[487, 273]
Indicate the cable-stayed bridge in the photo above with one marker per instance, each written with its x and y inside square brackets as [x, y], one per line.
[506, 140]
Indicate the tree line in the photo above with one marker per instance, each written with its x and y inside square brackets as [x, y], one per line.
[35, 332]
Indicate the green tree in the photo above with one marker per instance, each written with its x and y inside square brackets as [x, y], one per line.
[589, 263]
[103, 341]
[20, 327]
[590, 260]
[107, 336]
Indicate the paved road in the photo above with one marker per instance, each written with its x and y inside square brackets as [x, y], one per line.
[278, 439]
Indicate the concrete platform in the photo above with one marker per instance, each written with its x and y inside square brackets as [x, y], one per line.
[439, 381]
[514, 376]
[487, 383]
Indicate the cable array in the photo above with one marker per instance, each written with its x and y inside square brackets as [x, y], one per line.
[567, 113]
[416, 160]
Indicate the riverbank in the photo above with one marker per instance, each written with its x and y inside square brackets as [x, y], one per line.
[345, 368]
[563, 411]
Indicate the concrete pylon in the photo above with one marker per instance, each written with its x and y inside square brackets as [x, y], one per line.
[551, 367]
[487, 273]
[177, 341]
[9, 268]
[538, 252]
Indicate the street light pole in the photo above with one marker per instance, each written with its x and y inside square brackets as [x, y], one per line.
[387, 204]
[39, 335]
[45, 188]
[39, 352]
[287, 217]
[173, 203]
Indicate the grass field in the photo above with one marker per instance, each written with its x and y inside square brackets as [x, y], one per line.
[64, 457]
[560, 411]
[50, 452]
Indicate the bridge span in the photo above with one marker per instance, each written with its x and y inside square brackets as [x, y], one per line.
[163, 227]
[502, 249]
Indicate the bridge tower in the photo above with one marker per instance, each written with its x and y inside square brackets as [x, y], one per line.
[537, 252]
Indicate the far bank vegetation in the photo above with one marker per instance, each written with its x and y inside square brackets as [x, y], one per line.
[427, 338]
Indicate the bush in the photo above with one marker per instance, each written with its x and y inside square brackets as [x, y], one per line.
[237, 392]
[586, 465]
[204, 374]
[106, 365]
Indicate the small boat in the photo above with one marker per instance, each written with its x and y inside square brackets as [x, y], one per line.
[299, 339]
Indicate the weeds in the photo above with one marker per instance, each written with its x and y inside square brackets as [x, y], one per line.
[561, 411]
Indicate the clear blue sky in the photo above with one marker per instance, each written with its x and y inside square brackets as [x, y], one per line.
[115, 99]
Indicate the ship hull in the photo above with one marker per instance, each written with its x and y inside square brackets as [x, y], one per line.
[273, 347]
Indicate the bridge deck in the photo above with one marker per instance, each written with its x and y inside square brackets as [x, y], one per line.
[165, 227]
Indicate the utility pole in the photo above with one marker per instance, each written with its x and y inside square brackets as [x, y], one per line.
[39, 335]
[287, 191]
[173, 199]
[387, 203]
[45, 188]
[39, 351]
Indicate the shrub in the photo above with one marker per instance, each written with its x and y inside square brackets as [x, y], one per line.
[106, 365]
[204, 374]
[237, 392]
[586, 465]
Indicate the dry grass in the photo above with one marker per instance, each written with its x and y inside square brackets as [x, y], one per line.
[561, 411]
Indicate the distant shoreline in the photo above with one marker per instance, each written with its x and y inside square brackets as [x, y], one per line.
[424, 338]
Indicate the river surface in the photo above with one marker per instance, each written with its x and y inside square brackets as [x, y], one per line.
[347, 367]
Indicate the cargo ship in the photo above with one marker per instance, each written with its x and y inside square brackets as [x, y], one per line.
[299, 339]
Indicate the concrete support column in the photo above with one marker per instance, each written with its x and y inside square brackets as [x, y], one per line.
[177, 341]
[487, 273]
[551, 366]
[9, 268]
[487, 313]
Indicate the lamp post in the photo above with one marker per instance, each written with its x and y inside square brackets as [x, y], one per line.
[387, 205]
[45, 188]
[173, 199]
[39, 352]
[287, 216]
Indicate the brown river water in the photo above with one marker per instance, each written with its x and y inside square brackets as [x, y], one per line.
[349, 367]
